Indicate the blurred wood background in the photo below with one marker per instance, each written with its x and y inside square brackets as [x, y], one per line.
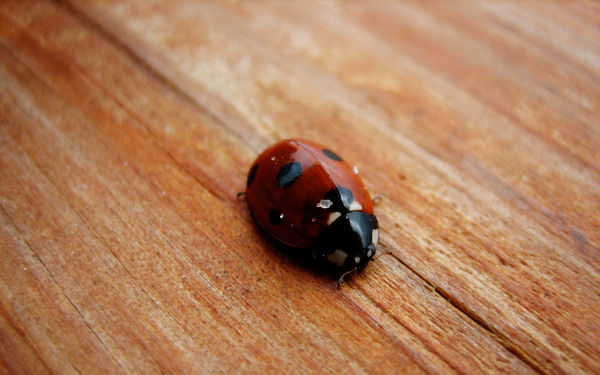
[127, 128]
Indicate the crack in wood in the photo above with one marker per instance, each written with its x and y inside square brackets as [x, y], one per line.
[476, 319]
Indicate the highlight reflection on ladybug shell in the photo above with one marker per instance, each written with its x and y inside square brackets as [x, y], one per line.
[297, 188]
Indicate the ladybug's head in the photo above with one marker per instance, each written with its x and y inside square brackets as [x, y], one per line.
[349, 242]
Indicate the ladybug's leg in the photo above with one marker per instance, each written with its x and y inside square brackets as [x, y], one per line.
[376, 199]
[241, 195]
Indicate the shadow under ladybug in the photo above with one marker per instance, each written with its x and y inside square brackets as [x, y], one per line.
[345, 247]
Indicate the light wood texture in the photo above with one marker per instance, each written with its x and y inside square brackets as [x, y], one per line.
[127, 128]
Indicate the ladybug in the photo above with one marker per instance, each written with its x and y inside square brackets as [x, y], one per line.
[306, 196]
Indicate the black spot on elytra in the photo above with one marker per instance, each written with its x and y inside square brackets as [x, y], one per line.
[288, 174]
[341, 199]
[331, 155]
[252, 174]
[275, 217]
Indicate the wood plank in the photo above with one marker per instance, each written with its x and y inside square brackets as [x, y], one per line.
[104, 181]
[543, 203]
[127, 132]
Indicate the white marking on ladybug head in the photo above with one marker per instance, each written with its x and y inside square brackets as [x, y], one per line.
[333, 217]
[355, 206]
[375, 236]
[370, 253]
[338, 257]
[324, 203]
[356, 260]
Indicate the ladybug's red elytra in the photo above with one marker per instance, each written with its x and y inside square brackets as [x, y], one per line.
[306, 196]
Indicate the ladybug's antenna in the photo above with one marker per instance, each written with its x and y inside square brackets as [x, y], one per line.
[341, 279]
[339, 282]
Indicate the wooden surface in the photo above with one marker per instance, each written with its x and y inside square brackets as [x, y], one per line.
[127, 128]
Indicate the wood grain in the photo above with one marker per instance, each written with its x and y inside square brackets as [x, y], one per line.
[127, 129]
